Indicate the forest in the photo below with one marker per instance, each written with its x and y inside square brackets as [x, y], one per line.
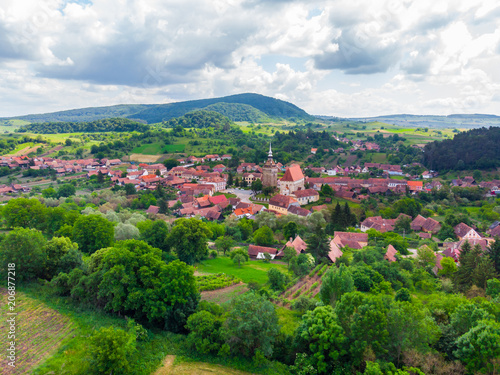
[105, 125]
[474, 149]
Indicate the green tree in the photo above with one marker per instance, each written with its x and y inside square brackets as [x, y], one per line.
[466, 316]
[469, 258]
[26, 249]
[206, 331]
[156, 235]
[277, 279]
[110, 349]
[493, 288]
[256, 185]
[334, 283]
[239, 256]
[251, 325]
[170, 163]
[56, 249]
[130, 189]
[263, 236]
[479, 348]
[403, 295]
[66, 190]
[484, 271]
[288, 254]
[408, 206]
[445, 232]
[290, 230]
[426, 257]
[25, 213]
[93, 232]
[403, 224]
[189, 239]
[323, 338]
[327, 190]
[50, 192]
[449, 267]
[224, 243]
[318, 245]
[494, 253]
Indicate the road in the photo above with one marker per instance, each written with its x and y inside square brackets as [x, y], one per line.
[244, 195]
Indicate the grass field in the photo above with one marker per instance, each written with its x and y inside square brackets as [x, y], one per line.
[172, 367]
[253, 270]
[40, 330]
[157, 149]
[173, 148]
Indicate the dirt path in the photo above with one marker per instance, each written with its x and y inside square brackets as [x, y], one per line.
[166, 367]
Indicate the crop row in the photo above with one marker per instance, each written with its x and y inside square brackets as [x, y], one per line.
[216, 281]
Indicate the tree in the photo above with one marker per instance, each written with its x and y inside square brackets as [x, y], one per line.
[408, 206]
[93, 232]
[449, 267]
[426, 256]
[494, 253]
[445, 232]
[224, 243]
[493, 288]
[50, 192]
[466, 316]
[263, 236]
[156, 234]
[256, 185]
[277, 279]
[327, 190]
[288, 254]
[132, 279]
[403, 224]
[469, 260]
[318, 245]
[170, 163]
[206, 331]
[484, 271]
[110, 349]
[130, 189]
[125, 231]
[189, 239]
[479, 348]
[56, 249]
[403, 295]
[26, 249]
[251, 325]
[66, 190]
[322, 337]
[290, 229]
[334, 283]
[239, 256]
[25, 213]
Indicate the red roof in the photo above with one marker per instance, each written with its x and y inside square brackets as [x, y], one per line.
[217, 199]
[293, 173]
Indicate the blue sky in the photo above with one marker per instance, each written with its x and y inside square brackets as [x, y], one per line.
[351, 58]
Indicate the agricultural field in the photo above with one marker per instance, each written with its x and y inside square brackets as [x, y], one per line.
[253, 270]
[171, 366]
[40, 331]
[216, 281]
[308, 286]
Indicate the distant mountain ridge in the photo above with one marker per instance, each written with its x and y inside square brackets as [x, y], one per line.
[450, 121]
[245, 107]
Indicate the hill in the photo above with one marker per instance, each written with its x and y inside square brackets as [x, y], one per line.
[270, 106]
[239, 112]
[474, 149]
[467, 121]
[201, 119]
[245, 107]
[83, 114]
[105, 125]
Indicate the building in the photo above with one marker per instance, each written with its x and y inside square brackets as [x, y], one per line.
[270, 171]
[306, 196]
[281, 203]
[292, 181]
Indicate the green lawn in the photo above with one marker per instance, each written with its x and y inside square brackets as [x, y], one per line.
[173, 148]
[252, 270]
[157, 149]
[288, 320]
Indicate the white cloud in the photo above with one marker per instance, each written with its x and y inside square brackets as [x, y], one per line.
[362, 57]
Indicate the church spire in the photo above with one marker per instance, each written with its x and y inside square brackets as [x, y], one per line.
[270, 154]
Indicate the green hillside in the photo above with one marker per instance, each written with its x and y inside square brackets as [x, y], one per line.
[241, 109]
[84, 114]
[106, 125]
[270, 106]
[239, 112]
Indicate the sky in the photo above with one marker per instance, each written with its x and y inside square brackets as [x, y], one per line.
[351, 58]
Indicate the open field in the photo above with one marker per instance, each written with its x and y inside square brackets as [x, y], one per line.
[144, 158]
[40, 330]
[171, 367]
[255, 270]
[223, 295]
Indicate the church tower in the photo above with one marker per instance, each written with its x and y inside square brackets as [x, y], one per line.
[270, 170]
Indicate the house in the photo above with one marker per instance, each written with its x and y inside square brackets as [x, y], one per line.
[299, 211]
[378, 223]
[334, 252]
[390, 254]
[463, 231]
[306, 196]
[257, 252]
[219, 168]
[153, 209]
[298, 244]
[218, 199]
[314, 150]
[351, 239]
[251, 177]
[292, 181]
[415, 186]
[281, 203]
[429, 225]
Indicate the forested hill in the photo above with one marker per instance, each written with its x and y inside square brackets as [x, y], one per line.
[474, 149]
[85, 114]
[106, 125]
[242, 107]
[239, 112]
[201, 119]
[270, 106]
